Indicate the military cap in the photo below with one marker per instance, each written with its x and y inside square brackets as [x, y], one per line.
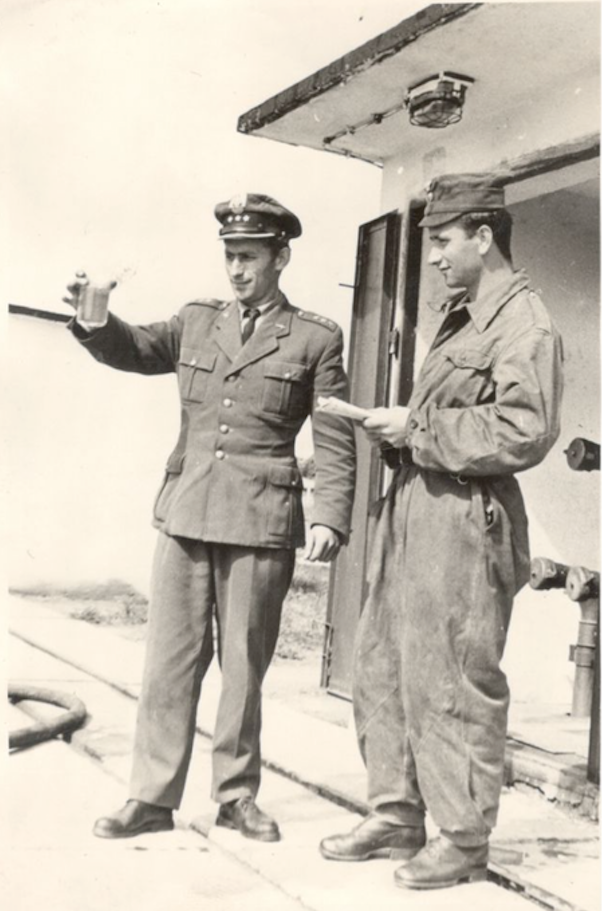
[252, 215]
[453, 195]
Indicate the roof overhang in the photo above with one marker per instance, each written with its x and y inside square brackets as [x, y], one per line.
[517, 53]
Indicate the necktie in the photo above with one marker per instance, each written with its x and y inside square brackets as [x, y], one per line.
[455, 320]
[250, 314]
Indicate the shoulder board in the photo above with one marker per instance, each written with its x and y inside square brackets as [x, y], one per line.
[317, 319]
[209, 302]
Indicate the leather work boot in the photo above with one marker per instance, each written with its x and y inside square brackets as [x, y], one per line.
[375, 836]
[134, 818]
[244, 814]
[442, 864]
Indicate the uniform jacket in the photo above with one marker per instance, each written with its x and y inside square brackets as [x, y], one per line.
[233, 477]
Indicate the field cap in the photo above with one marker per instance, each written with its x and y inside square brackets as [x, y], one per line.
[453, 195]
[251, 215]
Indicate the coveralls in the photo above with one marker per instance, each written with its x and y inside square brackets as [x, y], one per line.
[450, 551]
[230, 515]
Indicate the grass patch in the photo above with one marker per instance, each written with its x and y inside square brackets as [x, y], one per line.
[112, 603]
[116, 603]
[304, 612]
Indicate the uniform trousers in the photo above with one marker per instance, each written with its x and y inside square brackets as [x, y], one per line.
[193, 581]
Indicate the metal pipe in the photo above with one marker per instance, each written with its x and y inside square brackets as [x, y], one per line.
[546, 574]
[583, 586]
[583, 455]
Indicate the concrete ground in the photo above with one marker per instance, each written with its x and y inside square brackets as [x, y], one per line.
[55, 791]
[54, 862]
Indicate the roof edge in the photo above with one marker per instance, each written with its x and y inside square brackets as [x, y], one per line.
[340, 71]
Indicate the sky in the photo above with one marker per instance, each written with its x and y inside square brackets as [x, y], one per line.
[121, 121]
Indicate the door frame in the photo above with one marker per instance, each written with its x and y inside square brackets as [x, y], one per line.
[353, 558]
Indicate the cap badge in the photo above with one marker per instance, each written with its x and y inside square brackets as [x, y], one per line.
[238, 203]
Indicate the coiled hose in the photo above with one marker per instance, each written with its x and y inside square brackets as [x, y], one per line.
[67, 721]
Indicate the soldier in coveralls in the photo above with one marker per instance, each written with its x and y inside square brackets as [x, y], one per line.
[451, 551]
[229, 510]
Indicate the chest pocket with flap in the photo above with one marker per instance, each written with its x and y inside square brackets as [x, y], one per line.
[195, 368]
[469, 359]
[471, 381]
[285, 389]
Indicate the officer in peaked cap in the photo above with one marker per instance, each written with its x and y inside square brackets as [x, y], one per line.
[253, 216]
[450, 552]
[229, 510]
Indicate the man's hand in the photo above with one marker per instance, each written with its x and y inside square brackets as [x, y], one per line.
[74, 289]
[387, 425]
[92, 305]
[323, 544]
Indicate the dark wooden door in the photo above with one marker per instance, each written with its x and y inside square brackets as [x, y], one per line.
[372, 346]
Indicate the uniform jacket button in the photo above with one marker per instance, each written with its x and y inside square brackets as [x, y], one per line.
[220, 454]
[227, 403]
[223, 428]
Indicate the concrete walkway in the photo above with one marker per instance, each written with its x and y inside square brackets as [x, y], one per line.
[54, 862]
[314, 785]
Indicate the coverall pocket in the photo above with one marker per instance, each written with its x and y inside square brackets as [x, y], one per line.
[194, 372]
[285, 519]
[285, 389]
[471, 380]
[469, 359]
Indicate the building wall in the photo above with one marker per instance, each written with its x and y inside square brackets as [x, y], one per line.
[557, 240]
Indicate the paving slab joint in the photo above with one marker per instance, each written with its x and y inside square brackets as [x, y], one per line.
[536, 894]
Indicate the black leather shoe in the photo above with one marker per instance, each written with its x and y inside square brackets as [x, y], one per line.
[441, 864]
[375, 837]
[245, 815]
[134, 818]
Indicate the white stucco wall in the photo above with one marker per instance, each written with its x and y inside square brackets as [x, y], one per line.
[556, 239]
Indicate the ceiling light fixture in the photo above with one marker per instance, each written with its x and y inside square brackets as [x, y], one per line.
[437, 101]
